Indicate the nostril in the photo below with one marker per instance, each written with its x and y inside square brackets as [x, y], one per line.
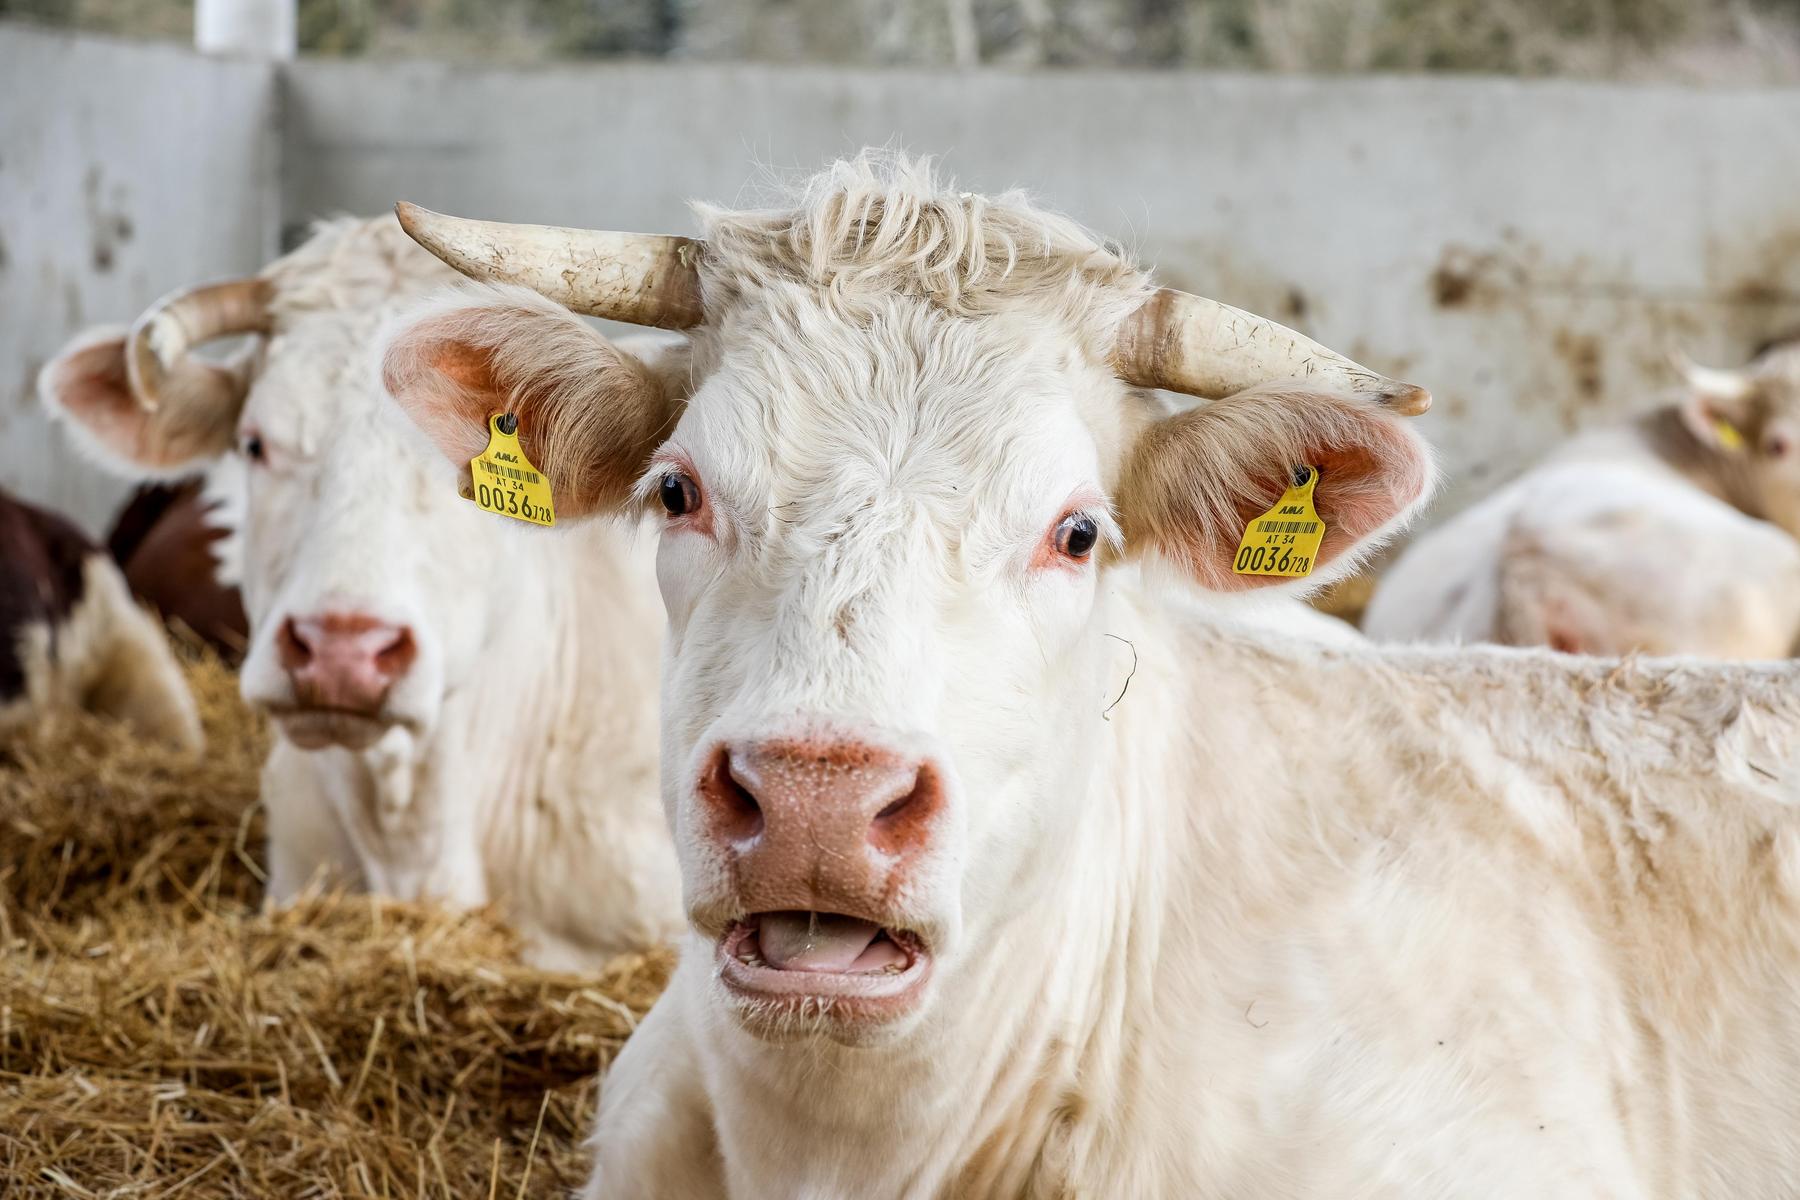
[396, 657]
[905, 822]
[894, 809]
[291, 646]
[735, 812]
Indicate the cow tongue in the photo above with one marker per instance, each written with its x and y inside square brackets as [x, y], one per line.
[808, 941]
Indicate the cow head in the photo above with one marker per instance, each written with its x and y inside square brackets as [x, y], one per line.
[914, 450]
[1750, 419]
[363, 573]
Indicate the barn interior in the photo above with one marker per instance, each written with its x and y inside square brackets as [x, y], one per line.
[1549, 197]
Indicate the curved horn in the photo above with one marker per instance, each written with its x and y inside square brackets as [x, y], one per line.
[157, 348]
[1200, 347]
[640, 278]
[1717, 382]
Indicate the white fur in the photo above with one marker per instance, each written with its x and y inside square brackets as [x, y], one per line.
[519, 763]
[1284, 918]
[1607, 548]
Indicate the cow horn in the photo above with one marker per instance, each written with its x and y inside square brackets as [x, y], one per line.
[1717, 382]
[639, 278]
[1199, 347]
[157, 350]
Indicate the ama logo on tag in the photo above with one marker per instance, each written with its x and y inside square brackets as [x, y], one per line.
[1285, 540]
[504, 482]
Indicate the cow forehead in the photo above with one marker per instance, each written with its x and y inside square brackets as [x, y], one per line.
[820, 413]
[319, 388]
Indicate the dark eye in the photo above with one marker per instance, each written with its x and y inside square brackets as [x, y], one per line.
[1076, 535]
[679, 494]
[1776, 446]
[253, 447]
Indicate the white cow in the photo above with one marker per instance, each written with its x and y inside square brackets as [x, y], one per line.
[462, 706]
[1288, 920]
[1670, 535]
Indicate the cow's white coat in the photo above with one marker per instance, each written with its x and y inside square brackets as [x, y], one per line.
[518, 765]
[1646, 538]
[1282, 919]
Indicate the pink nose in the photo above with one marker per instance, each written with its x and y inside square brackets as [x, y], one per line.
[344, 660]
[833, 826]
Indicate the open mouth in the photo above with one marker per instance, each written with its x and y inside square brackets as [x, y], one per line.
[824, 964]
[314, 728]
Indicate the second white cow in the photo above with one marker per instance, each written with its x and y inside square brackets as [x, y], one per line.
[1673, 534]
[463, 708]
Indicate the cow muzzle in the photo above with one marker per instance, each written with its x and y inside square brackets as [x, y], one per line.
[823, 842]
[341, 667]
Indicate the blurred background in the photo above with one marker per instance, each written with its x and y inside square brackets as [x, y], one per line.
[1523, 204]
[1735, 41]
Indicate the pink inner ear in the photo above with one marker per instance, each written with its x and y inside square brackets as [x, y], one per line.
[89, 384]
[1370, 471]
[90, 381]
[446, 387]
[1361, 488]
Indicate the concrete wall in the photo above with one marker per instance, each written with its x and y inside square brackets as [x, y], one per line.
[1524, 249]
[125, 171]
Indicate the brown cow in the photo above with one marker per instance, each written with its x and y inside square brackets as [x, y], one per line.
[168, 543]
[72, 637]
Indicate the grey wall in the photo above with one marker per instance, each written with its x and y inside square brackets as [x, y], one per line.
[125, 171]
[1524, 249]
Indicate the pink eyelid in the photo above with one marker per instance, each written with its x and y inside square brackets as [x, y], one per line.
[662, 463]
[1084, 501]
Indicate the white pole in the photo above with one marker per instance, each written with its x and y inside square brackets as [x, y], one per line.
[250, 28]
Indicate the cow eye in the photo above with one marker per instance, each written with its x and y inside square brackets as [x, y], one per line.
[253, 447]
[1776, 446]
[679, 494]
[1076, 535]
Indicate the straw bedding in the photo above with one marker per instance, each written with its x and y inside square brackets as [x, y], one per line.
[161, 1034]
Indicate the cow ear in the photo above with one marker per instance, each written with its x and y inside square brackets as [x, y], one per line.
[86, 386]
[1719, 405]
[1194, 481]
[590, 413]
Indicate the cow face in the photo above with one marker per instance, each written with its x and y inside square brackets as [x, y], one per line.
[365, 575]
[1751, 419]
[368, 581]
[892, 522]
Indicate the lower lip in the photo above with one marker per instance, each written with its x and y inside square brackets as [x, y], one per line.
[318, 729]
[841, 998]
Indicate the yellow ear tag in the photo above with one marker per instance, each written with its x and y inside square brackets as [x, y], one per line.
[505, 481]
[1285, 540]
[1727, 434]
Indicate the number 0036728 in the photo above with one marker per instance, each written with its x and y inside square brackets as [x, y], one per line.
[1274, 559]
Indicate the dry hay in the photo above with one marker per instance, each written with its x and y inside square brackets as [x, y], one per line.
[161, 1035]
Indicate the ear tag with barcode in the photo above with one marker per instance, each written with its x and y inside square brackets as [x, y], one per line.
[1285, 540]
[504, 480]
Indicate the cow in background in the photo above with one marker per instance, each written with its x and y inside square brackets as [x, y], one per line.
[463, 708]
[71, 637]
[1672, 534]
[168, 540]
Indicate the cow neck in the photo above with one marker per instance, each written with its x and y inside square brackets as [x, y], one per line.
[978, 1106]
[550, 639]
[1717, 473]
[574, 710]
